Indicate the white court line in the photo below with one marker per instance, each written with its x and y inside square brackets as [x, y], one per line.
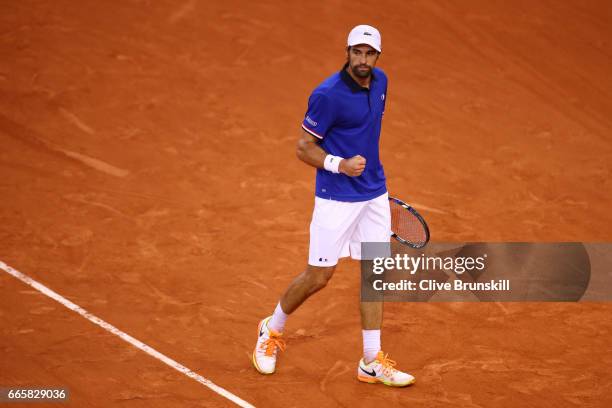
[124, 336]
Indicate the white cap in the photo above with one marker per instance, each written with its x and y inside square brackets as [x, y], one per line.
[365, 34]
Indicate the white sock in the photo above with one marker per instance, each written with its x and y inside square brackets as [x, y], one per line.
[277, 322]
[371, 344]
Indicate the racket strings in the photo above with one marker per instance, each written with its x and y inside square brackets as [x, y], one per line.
[406, 225]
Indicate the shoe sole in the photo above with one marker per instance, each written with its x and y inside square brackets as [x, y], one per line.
[254, 351]
[371, 380]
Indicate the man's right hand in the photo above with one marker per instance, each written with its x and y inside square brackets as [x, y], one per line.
[353, 167]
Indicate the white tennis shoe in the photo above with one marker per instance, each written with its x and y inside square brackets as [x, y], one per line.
[382, 370]
[266, 349]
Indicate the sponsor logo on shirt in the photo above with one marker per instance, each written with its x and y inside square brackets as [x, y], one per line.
[312, 122]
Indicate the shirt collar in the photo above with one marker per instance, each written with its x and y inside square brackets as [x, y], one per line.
[351, 83]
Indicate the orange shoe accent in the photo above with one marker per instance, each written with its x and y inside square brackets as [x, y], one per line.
[387, 363]
[273, 342]
[368, 380]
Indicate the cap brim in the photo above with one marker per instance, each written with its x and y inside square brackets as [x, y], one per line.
[365, 42]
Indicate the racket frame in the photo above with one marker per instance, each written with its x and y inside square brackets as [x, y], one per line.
[421, 220]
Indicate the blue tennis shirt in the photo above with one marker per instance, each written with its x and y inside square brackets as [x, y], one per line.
[347, 119]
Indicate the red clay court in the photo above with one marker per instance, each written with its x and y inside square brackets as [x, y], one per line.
[148, 174]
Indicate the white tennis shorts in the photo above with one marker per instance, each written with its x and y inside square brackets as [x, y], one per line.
[338, 228]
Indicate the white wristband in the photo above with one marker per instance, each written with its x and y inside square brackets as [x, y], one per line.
[332, 163]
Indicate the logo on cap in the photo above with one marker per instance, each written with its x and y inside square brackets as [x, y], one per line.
[366, 33]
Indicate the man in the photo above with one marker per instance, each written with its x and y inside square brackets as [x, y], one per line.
[341, 132]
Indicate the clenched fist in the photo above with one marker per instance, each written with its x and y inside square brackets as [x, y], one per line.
[353, 167]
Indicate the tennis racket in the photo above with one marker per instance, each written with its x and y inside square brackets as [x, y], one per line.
[407, 225]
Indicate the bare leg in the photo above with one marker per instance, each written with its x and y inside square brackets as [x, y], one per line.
[313, 279]
[371, 315]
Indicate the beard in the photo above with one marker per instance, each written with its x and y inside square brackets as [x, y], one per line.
[360, 72]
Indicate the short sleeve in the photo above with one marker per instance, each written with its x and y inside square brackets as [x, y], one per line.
[319, 116]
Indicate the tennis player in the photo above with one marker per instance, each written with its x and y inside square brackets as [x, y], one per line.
[341, 132]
